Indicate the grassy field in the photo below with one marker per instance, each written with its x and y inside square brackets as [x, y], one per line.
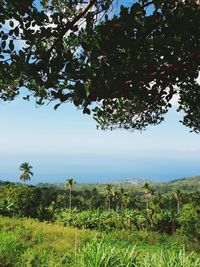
[27, 242]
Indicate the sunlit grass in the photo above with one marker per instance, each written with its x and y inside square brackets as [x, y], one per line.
[101, 254]
[39, 242]
[27, 242]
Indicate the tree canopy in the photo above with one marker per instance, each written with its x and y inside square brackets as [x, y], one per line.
[123, 66]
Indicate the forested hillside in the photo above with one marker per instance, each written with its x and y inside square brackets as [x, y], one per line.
[154, 217]
[188, 184]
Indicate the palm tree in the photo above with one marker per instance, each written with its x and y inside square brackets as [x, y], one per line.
[148, 193]
[160, 199]
[69, 184]
[26, 174]
[125, 199]
[177, 194]
[109, 188]
[116, 198]
[87, 198]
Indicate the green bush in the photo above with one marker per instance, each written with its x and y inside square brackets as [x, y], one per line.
[22, 201]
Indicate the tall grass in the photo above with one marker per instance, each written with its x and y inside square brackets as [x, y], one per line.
[10, 249]
[101, 254]
[29, 243]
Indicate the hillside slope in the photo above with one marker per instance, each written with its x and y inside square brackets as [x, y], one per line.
[188, 184]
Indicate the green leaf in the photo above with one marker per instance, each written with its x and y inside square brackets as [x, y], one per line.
[10, 32]
[44, 3]
[11, 45]
[5, 37]
[16, 31]
[56, 106]
[11, 23]
[86, 111]
[3, 44]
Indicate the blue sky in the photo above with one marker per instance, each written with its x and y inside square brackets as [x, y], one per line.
[65, 143]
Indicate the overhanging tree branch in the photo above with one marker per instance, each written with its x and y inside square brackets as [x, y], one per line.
[70, 24]
[168, 69]
[131, 61]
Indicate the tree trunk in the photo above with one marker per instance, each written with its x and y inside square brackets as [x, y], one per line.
[70, 199]
[109, 203]
[147, 204]
[117, 207]
[178, 206]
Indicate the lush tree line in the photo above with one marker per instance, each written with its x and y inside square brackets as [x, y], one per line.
[113, 208]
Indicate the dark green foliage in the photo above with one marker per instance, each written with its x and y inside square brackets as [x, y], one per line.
[131, 63]
[19, 201]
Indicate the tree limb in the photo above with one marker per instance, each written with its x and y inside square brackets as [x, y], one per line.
[70, 24]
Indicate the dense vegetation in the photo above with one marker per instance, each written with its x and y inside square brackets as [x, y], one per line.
[120, 216]
[108, 207]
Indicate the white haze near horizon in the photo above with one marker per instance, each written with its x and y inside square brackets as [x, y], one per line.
[65, 143]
